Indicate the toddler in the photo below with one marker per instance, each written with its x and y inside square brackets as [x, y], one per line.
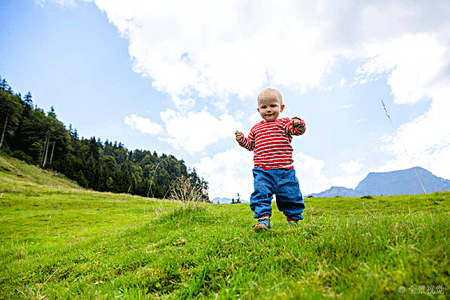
[273, 173]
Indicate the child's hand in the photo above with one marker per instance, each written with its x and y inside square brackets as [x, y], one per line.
[239, 135]
[296, 122]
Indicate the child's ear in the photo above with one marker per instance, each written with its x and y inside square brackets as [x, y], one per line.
[282, 108]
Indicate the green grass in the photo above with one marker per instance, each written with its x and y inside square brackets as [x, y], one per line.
[58, 241]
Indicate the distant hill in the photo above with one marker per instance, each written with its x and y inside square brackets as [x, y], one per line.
[400, 182]
[218, 200]
[338, 191]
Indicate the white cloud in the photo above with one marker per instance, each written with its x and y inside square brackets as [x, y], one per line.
[256, 117]
[223, 48]
[235, 47]
[348, 181]
[309, 173]
[143, 125]
[381, 14]
[353, 166]
[412, 64]
[425, 141]
[228, 173]
[193, 132]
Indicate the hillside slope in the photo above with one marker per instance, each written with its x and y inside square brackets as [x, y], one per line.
[62, 242]
[14, 172]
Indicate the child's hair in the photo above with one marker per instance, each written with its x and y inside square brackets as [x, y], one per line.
[271, 90]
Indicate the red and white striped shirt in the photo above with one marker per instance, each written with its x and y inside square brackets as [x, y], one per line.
[271, 143]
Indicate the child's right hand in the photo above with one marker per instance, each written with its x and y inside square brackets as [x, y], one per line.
[239, 135]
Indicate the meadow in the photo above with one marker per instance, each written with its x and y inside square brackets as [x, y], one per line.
[60, 241]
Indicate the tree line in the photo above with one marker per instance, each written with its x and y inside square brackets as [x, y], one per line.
[29, 134]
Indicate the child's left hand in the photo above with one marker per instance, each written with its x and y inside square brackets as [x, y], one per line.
[296, 122]
[239, 135]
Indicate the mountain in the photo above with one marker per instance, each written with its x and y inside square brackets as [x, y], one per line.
[338, 191]
[400, 182]
[218, 200]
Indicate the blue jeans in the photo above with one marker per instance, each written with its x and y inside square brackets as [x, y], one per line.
[284, 184]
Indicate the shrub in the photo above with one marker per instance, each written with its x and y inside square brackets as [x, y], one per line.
[182, 189]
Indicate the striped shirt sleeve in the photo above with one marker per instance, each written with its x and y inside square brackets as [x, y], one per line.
[248, 142]
[298, 130]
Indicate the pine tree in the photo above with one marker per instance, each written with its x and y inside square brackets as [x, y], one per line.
[3, 85]
[10, 111]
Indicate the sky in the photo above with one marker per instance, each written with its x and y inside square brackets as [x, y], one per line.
[179, 77]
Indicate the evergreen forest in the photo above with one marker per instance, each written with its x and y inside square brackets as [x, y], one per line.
[31, 135]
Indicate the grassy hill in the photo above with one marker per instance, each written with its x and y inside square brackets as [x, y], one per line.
[59, 241]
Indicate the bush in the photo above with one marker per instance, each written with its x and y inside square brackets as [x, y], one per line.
[19, 154]
[182, 189]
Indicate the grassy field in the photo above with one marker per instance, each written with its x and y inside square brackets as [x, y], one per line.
[58, 241]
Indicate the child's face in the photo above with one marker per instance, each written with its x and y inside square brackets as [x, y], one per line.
[269, 107]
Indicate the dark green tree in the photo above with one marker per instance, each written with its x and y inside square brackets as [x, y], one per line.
[10, 112]
[38, 138]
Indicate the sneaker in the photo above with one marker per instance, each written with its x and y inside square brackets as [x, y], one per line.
[263, 224]
[291, 221]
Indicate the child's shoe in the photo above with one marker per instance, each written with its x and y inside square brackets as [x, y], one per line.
[263, 224]
[291, 221]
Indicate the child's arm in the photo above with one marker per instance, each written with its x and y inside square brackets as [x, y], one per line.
[247, 143]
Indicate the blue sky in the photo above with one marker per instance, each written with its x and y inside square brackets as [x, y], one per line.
[179, 79]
